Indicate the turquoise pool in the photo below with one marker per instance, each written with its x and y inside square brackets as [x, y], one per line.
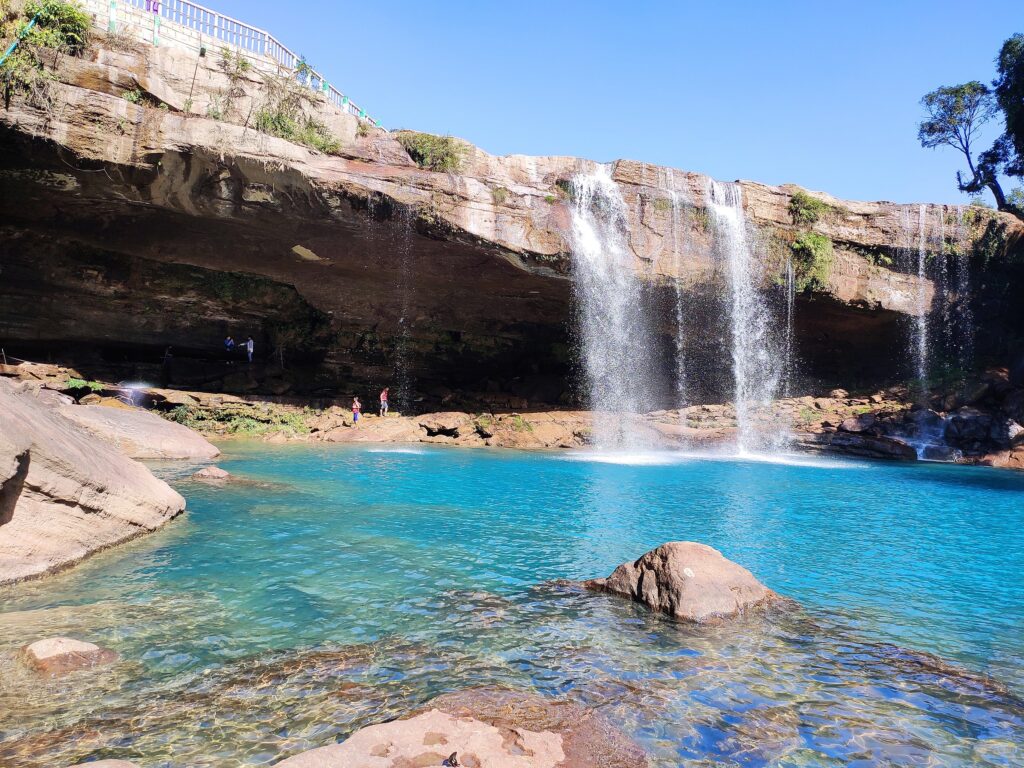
[342, 586]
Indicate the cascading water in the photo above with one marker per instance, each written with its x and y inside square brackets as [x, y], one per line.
[964, 319]
[404, 285]
[790, 316]
[757, 366]
[614, 328]
[922, 309]
[679, 304]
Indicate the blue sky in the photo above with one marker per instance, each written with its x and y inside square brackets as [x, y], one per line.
[820, 94]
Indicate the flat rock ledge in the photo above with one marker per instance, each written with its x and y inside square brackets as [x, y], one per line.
[690, 582]
[484, 728]
[106, 764]
[57, 656]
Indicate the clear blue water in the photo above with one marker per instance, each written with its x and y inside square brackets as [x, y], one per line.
[342, 586]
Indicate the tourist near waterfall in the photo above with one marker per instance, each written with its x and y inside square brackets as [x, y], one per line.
[684, 470]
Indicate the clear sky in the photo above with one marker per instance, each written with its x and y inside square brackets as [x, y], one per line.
[822, 94]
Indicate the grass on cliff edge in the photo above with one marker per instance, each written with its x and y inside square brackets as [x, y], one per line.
[812, 260]
[434, 153]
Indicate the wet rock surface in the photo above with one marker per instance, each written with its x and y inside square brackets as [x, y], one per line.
[688, 581]
[57, 656]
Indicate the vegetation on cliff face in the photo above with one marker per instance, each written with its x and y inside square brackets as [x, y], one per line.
[804, 209]
[239, 419]
[281, 115]
[435, 153]
[60, 27]
[954, 115]
[812, 260]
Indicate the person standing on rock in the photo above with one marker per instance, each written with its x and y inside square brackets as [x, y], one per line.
[229, 348]
[384, 402]
[249, 346]
[357, 408]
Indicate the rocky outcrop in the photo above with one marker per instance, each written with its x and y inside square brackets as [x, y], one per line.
[141, 434]
[486, 728]
[57, 656]
[341, 264]
[688, 581]
[63, 493]
[212, 475]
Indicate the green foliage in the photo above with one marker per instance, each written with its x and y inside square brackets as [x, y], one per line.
[804, 209]
[1009, 91]
[296, 128]
[233, 63]
[282, 115]
[701, 220]
[61, 25]
[812, 260]
[550, 199]
[991, 247]
[252, 421]
[435, 153]
[500, 195]
[134, 95]
[1016, 197]
[662, 204]
[519, 424]
[74, 383]
[362, 129]
[24, 73]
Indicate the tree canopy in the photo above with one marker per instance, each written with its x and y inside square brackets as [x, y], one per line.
[954, 115]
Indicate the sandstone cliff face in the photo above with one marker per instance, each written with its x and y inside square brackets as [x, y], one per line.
[456, 278]
[63, 493]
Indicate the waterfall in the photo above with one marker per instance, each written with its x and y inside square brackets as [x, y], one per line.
[757, 366]
[790, 314]
[922, 309]
[679, 304]
[614, 328]
[404, 285]
[962, 278]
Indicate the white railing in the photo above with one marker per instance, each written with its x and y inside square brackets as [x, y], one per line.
[256, 42]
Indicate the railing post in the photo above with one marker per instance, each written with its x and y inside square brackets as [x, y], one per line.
[156, 31]
[112, 24]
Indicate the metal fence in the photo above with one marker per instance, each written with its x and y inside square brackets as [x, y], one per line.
[257, 42]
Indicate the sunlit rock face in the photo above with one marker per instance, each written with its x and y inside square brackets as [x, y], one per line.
[128, 229]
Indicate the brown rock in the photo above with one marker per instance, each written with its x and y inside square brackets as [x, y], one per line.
[107, 764]
[212, 474]
[60, 655]
[839, 394]
[448, 424]
[688, 581]
[485, 728]
[857, 424]
[1006, 459]
[141, 434]
[428, 739]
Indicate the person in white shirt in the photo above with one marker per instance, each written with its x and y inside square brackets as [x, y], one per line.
[249, 346]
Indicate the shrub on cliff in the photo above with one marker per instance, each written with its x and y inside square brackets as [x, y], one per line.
[282, 115]
[60, 26]
[812, 260]
[805, 209]
[435, 153]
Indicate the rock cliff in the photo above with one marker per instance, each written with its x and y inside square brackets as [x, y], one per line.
[141, 209]
[65, 494]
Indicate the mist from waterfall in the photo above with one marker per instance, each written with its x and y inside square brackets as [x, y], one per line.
[756, 362]
[614, 325]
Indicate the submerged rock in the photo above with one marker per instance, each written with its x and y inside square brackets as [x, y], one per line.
[63, 493]
[688, 581]
[141, 434]
[484, 728]
[106, 764]
[60, 655]
[212, 475]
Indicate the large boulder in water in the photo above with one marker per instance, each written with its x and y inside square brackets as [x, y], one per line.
[486, 728]
[60, 655]
[63, 493]
[688, 581]
[141, 434]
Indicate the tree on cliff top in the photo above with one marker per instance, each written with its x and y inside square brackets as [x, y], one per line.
[955, 114]
[1009, 91]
